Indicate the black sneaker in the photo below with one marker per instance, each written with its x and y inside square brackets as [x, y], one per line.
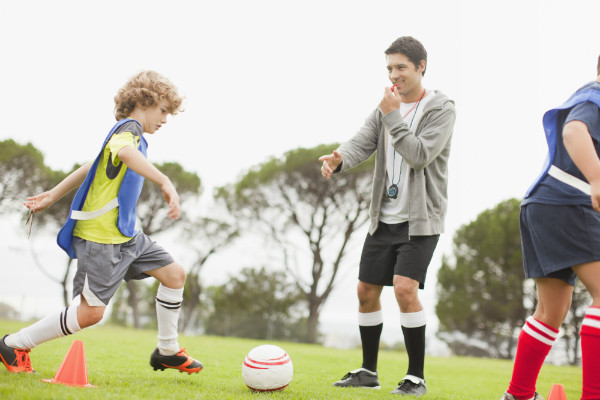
[180, 361]
[361, 377]
[15, 360]
[508, 396]
[411, 386]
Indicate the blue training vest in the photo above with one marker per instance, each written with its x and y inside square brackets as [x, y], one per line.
[551, 127]
[129, 192]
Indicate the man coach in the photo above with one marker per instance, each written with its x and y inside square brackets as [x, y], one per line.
[410, 131]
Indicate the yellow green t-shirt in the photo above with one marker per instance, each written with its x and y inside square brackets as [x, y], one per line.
[105, 187]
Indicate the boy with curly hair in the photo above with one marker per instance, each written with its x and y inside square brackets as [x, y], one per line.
[100, 231]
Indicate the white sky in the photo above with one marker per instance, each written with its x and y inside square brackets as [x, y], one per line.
[262, 77]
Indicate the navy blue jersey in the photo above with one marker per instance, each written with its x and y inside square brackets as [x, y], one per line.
[552, 191]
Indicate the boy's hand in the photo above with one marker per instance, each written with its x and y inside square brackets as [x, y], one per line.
[330, 163]
[172, 198]
[40, 202]
[44, 200]
[390, 101]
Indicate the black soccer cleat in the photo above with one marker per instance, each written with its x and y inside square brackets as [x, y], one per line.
[15, 360]
[180, 361]
[359, 378]
[411, 386]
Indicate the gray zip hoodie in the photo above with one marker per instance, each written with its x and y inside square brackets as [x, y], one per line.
[426, 151]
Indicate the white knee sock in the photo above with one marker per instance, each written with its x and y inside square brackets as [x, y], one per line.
[168, 304]
[53, 326]
[413, 319]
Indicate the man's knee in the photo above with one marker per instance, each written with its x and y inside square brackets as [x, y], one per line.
[368, 294]
[406, 289]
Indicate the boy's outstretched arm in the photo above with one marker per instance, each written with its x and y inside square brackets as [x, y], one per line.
[44, 200]
[579, 145]
[137, 162]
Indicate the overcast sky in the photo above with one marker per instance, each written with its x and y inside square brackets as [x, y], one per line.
[262, 77]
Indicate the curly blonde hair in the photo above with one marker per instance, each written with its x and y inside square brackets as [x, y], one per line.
[145, 90]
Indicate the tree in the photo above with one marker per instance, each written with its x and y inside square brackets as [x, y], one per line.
[289, 202]
[481, 292]
[23, 174]
[255, 304]
[8, 312]
[21, 168]
[206, 236]
[151, 205]
[55, 216]
[123, 314]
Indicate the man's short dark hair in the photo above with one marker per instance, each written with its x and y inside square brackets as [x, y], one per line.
[411, 48]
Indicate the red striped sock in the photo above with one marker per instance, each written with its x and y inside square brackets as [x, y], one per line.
[535, 342]
[590, 354]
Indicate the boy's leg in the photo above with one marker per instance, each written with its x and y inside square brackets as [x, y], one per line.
[590, 331]
[168, 305]
[55, 325]
[538, 335]
[168, 354]
[14, 347]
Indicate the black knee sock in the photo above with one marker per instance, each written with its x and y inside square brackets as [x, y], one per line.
[414, 340]
[369, 335]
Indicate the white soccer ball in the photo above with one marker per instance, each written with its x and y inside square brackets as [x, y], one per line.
[267, 368]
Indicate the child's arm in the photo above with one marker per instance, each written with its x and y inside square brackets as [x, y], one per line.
[44, 200]
[579, 145]
[137, 162]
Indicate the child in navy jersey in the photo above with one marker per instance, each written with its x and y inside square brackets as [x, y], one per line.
[560, 232]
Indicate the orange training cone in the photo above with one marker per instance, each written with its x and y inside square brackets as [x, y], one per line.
[73, 370]
[557, 392]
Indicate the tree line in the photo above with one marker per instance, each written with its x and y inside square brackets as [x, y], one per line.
[307, 224]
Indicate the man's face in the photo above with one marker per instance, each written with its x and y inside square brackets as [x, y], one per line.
[404, 74]
[155, 116]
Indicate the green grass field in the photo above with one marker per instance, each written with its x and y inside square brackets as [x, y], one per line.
[118, 364]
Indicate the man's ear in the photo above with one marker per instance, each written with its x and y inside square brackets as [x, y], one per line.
[422, 66]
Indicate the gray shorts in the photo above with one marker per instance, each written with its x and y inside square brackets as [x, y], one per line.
[102, 267]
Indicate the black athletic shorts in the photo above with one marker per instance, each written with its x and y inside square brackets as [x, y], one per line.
[390, 252]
